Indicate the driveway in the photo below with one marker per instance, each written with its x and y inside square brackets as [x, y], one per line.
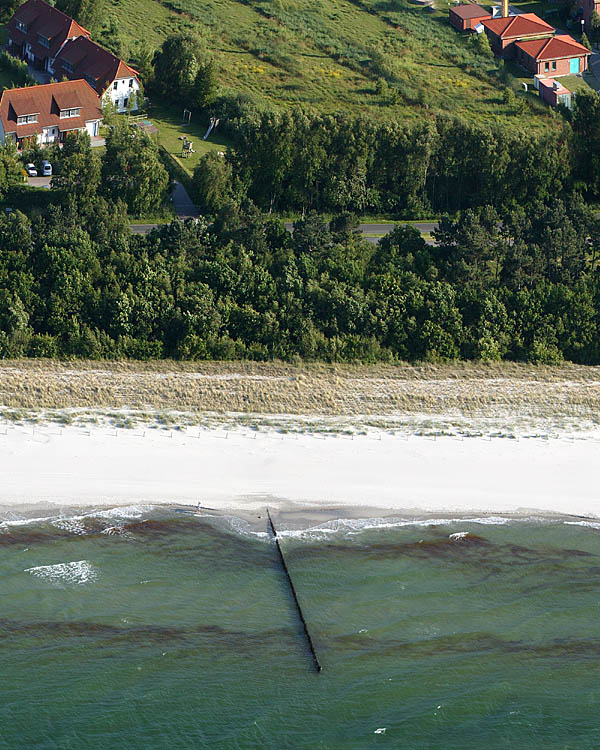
[39, 181]
[184, 207]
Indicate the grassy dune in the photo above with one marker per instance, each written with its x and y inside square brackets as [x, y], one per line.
[328, 54]
[506, 397]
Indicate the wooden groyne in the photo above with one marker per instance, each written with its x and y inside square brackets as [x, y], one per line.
[295, 596]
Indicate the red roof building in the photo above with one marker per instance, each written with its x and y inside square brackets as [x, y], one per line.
[37, 32]
[466, 16]
[559, 56]
[82, 58]
[504, 32]
[48, 112]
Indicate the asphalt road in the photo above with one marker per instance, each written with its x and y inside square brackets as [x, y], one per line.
[379, 230]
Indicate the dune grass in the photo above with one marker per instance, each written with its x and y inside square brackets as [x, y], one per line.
[487, 396]
[327, 55]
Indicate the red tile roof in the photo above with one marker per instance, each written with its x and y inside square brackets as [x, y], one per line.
[41, 18]
[47, 101]
[561, 45]
[91, 61]
[470, 11]
[526, 24]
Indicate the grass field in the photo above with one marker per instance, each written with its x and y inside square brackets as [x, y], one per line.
[327, 55]
[172, 129]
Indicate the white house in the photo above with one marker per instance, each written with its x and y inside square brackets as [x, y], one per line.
[107, 74]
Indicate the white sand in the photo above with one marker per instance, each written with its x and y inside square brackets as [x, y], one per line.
[242, 472]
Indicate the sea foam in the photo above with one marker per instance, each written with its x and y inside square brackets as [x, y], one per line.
[78, 572]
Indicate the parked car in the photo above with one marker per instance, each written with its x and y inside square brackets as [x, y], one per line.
[46, 168]
[31, 170]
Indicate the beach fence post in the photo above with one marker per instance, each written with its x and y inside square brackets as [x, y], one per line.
[294, 594]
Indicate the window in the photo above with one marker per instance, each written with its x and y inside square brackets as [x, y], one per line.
[125, 101]
[22, 26]
[64, 113]
[24, 119]
[115, 84]
[44, 41]
[91, 81]
[546, 67]
[553, 64]
[131, 83]
[67, 66]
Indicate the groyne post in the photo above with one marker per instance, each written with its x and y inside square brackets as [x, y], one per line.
[294, 594]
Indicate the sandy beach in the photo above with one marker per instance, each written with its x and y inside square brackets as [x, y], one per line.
[241, 472]
[478, 445]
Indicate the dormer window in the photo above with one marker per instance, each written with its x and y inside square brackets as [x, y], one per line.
[22, 26]
[44, 41]
[25, 119]
[64, 113]
[67, 66]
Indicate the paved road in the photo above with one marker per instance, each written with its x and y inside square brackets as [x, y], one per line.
[184, 207]
[39, 181]
[143, 228]
[425, 227]
[595, 64]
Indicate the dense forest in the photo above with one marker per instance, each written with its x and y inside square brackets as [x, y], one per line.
[521, 285]
[513, 273]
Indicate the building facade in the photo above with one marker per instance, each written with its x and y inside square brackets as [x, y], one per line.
[559, 56]
[466, 16]
[107, 74]
[48, 112]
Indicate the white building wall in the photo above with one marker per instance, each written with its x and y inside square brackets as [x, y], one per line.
[92, 128]
[48, 135]
[120, 90]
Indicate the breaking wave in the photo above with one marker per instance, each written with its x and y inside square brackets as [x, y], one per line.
[77, 572]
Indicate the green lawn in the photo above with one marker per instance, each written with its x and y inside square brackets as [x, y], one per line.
[586, 82]
[327, 56]
[172, 129]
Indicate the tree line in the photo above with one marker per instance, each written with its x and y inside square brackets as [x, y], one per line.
[295, 161]
[519, 285]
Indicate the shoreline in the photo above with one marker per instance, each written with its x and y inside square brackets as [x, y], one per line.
[302, 478]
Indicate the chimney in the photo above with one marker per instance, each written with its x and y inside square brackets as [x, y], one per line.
[504, 8]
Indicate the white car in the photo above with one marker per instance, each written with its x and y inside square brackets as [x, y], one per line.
[46, 168]
[31, 170]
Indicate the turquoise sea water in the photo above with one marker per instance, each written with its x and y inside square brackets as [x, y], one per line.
[174, 631]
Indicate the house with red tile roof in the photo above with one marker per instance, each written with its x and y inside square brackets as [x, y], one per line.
[51, 41]
[505, 31]
[107, 74]
[48, 112]
[466, 16]
[560, 55]
[37, 32]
